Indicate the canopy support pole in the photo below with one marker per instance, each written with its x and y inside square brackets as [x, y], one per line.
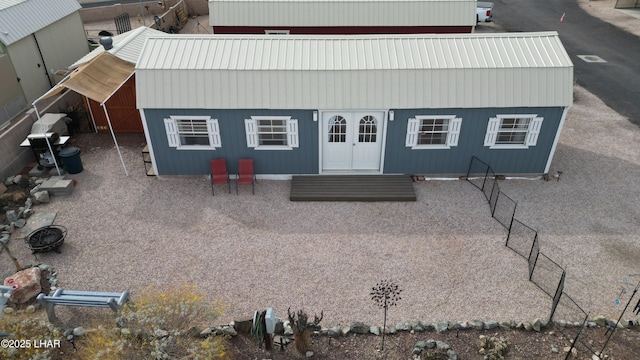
[93, 120]
[114, 138]
[53, 155]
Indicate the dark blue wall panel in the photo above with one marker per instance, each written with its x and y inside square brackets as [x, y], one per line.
[397, 159]
[455, 161]
[170, 161]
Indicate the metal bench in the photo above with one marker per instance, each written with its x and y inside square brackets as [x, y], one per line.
[113, 300]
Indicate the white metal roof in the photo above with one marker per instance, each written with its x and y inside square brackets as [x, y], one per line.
[20, 18]
[307, 52]
[319, 13]
[437, 70]
[127, 46]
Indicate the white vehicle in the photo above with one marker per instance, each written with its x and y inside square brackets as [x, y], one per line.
[484, 11]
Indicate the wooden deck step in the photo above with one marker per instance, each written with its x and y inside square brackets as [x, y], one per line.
[352, 188]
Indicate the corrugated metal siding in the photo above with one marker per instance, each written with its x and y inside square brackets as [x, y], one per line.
[60, 44]
[366, 52]
[455, 161]
[126, 46]
[25, 59]
[292, 72]
[19, 18]
[342, 13]
[301, 160]
[63, 42]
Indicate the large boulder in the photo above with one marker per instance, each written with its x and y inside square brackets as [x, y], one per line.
[26, 285]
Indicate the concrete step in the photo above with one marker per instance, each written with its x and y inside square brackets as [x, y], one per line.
[57, 185]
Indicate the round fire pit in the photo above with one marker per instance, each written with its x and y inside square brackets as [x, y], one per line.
[46, 238]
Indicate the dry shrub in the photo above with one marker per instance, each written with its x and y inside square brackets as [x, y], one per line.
[157, 325]
[28, 332]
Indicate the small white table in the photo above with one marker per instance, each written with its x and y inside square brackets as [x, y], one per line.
[62, 140]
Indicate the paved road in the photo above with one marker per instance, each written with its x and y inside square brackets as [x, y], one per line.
[616, 82]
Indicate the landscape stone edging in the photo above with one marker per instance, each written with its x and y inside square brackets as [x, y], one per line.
[536, 325]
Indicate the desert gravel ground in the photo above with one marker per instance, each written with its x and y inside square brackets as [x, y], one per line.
[445, 250]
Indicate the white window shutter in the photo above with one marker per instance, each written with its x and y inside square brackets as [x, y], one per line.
[292, 132]
[172, 132]
[454, 131]
[214, 133]
[251, 132]
[534, 131]
[492, 131]
[412, 132]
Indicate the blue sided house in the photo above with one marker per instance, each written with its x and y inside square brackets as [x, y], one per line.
[357, 104]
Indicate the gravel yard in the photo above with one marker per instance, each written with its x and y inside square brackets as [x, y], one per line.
[445, 250]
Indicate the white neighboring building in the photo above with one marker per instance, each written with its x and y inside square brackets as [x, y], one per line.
[341, 16]
[37, 38]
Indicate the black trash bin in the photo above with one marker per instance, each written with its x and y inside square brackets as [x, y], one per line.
[71, 159]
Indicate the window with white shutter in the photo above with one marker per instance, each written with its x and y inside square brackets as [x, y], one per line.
[433, 132]
[292, 132]
[250, 131]
[492, 132]
[454, 131]
[513, 131]
[534, 131]
[412, 133]
[192, 132]
[172, 132]
[271, 132]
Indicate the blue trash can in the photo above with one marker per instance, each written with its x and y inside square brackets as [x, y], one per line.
[71, 160]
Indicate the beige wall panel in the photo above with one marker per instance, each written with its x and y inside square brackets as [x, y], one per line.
[25, 59]
[10, 86]
[357, 89]
[63, 42]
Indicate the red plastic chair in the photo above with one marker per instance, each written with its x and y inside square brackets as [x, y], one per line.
[245, 174]
[219, 174]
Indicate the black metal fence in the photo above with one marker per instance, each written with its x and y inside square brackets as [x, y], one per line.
[523, 240]
[570, 320]
[502, 207]
[123, 24]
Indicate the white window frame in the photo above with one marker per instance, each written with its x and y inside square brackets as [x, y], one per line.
[173, 135]
[414, 124]
[253, 136]
[531, 137]
[276, 32]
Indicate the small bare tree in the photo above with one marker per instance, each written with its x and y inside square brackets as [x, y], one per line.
[386, 293]
[13, 258]
[302, 329]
